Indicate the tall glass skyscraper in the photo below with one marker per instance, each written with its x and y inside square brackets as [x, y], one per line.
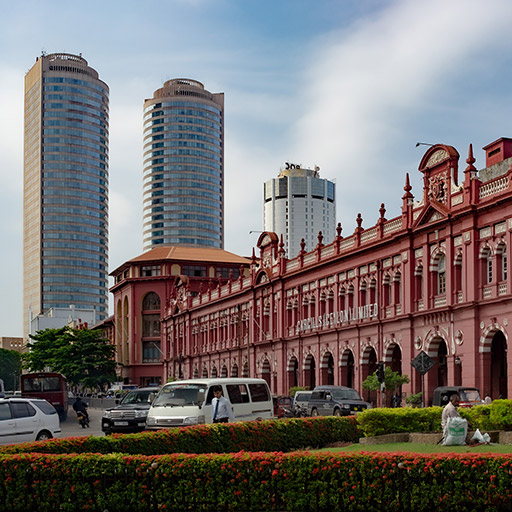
[65, 195]
[184, 166]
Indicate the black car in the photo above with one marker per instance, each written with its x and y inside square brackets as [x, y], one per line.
[130, 413]
[335, 401]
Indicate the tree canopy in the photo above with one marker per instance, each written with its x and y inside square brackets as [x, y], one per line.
[392, 380]
[10, 368]
[83, 356]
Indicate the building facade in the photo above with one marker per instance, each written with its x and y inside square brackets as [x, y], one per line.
[183, 183]
[432, 282]
[147, 288]
[298, 204]
[65, 195]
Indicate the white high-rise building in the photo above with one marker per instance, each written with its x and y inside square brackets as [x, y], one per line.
[298, 204]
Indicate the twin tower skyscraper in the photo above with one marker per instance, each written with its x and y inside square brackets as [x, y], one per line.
[66, 177]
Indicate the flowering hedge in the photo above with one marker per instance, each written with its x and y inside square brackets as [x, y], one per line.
[270, 435]
[255, 481]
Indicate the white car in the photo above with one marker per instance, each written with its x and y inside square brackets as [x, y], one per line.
[26, 420]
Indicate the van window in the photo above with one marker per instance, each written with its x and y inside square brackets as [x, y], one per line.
[259, 392]
[238, 394]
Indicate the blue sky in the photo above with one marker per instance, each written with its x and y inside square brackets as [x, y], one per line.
[348, 85]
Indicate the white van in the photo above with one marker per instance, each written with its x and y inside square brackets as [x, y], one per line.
[189, 402]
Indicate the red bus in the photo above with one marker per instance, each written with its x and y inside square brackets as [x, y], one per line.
[53, 387]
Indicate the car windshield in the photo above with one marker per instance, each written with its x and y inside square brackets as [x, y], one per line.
[180, 395]
[138, 397]
[470, 395]
[345, 394]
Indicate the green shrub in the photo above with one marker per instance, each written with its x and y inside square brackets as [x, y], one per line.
[501, 414]
[298, 388]
[375, 422]
[478, 417]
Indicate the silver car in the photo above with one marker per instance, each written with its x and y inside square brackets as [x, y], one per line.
[27, 419]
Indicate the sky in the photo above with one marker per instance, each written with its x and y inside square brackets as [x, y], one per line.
[348, 85]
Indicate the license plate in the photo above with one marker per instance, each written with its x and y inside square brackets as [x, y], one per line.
[120, 423]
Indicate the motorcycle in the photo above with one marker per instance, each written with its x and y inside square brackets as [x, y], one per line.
[295, 412]
[83, 420]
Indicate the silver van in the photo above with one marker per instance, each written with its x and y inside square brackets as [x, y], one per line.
[189, 402]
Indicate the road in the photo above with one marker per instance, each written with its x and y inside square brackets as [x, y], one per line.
[71, 428]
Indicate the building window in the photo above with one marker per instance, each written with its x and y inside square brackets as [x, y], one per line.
[150, 326]
[418, 282]
[194, 270]
[488, 268]
[441, 275]
[397, 288]
[501, 253]
[151, 351]
[387, 291]
[227, 273]
[151, 270]
[151, 302]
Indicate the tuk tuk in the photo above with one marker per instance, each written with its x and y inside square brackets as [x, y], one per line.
[468, 396]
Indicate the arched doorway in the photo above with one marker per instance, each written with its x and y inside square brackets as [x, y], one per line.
[369, 367]
[223, 371]
[347, 368]
[395, 364]
[204, 374]
[327, 369]
[438, 374]
[196, 373]
[498, 366]
[245, 370]
[309, 372]
[292, 371]
[234, 370]
[214, 372]
[265, 371]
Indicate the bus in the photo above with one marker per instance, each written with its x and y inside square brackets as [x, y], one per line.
[52, 387]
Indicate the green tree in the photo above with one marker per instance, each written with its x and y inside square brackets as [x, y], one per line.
[83, 356]
[392, 380]
[10, 368]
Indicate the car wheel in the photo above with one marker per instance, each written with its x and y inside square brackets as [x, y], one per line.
[314, 412]
[44, 435]
[337, 412]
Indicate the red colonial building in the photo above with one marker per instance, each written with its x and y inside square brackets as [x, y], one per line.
[433, 280]
[146, 288]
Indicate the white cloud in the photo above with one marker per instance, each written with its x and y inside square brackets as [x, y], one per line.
[367, 87]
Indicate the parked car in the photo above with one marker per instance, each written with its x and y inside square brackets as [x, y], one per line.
[335, 401]
[468, 396]
[130, 413]
[301, 400]
[27, 419]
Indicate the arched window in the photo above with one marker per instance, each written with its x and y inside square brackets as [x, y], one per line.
[486, 265]
[386, 289]
[151, 301]
[501, 257]
[441, 275]
[397, 288]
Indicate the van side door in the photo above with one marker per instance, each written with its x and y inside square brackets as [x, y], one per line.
[238, 395]
[262, 406]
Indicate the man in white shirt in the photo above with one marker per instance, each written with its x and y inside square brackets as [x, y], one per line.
[222, 412]
[450, 411]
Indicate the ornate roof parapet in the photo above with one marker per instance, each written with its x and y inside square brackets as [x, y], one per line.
[338, 237]
[358, 230]
[471, 181]
[407, 203]
[382, 220]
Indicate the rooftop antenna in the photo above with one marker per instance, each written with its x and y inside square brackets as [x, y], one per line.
[424, 144]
